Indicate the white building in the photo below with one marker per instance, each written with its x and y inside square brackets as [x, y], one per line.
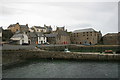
[38, 29]
[20, 38]
[41, 38]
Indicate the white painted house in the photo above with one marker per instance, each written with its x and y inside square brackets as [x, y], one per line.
[20, 38]
[41, 38]
[38, 29]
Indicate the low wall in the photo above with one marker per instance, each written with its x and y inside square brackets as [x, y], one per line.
[82, 48]
[13, 57]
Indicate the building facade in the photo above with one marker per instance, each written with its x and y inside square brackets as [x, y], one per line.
[60, 36]
[17, 27]
[111, 39]
[85, 36]
[41, 38]
[32, 38]
[38, 29]
[20, 38]
[45, 29]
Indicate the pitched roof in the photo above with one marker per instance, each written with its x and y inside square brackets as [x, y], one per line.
[11, 25]
[23, 26]
[17, 36]
[51, 35]
[111, 34]
[39, 27]
[32, 34]
[40, 34]
[84, 30]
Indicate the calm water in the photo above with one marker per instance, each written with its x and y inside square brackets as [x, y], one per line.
[63, 69]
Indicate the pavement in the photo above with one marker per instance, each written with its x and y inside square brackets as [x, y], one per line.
[17, 47]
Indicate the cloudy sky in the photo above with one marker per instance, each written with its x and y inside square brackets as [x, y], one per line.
[73, 14]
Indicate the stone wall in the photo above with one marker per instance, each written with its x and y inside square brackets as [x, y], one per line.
[82, 48]
[13, 57]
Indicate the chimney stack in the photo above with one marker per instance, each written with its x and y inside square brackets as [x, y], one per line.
[17, 23]
[27, 25]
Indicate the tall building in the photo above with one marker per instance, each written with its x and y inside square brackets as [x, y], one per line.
[85, 36]
[60, 36]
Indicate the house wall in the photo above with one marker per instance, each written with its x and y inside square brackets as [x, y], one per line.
[33, 40]
[63, 40]
[14, 28]
[25, 39]
[0, 34]
[51, 40]
[85, 37]
[110, 40]
[22, 29]
[42, 40]
[39, 30]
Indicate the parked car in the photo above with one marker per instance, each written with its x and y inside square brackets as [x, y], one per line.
[108, 51]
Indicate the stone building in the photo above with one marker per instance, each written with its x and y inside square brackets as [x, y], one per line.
[17, 27]
[45, 29]
[111, 39]
[85, 36]
[48, 28]
[38, 29]
[51, 38]
[32, 37]
[60, 36]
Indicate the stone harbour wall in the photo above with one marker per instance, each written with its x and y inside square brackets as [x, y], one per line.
[12, 57]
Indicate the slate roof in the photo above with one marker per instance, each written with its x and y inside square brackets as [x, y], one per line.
[84, 30]
[17, 36]
[40, 34]
[11, 25]
[32, 34]
[39, 27]
[111, 34]
[23, 26]
[51, 35]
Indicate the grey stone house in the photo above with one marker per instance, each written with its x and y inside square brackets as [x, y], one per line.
[60, 36]
[111, 39]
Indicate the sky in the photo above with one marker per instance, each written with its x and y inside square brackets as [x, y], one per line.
[101, 15]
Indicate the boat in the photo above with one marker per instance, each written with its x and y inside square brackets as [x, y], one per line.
[66, 50]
